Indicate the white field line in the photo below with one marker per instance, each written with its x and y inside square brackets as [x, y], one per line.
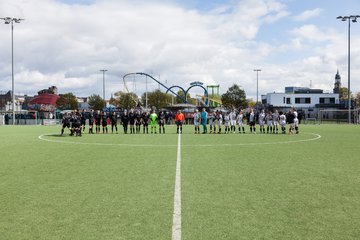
[176, 228]
[315, 137]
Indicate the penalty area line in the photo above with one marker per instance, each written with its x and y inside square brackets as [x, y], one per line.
[176, 227]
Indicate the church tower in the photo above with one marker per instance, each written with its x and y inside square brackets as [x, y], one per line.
[337, 84]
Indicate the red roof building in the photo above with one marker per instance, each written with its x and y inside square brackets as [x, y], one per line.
[44, 102]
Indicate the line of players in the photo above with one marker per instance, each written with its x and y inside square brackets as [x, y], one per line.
[132, 121]
[271, 121]
[76, 122]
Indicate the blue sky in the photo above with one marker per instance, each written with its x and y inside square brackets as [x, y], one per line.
[65, 43]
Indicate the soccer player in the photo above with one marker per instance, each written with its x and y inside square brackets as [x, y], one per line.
[153, 121]
[197, 119]
[282, 122]
[269, 122]
[66, 122]
[227, 123]
[138, 121]
[276, 118]
[91, 121]
[211, 117]
[161, 121]
[113, 120]
[262, 121]
[132, 121]
[104, 123]
[97, 121]
[77, 124]
[252, 121]
[240, 121]
[291, 117]
[83, 120]
[145, 121]
[125, 121]
[204, 116]
[296, 121]
[218, 120]
[179, 120]
[232, 116]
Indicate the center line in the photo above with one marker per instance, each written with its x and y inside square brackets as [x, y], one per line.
[176, 227]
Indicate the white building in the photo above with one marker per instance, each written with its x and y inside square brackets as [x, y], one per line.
[306, 100]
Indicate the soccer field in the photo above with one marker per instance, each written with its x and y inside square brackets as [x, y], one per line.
[233, 186]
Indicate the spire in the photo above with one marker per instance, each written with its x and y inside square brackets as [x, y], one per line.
[337, 77]
[337, 84]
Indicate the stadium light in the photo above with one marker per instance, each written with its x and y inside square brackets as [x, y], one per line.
[351, 18]
[103, 71]
[9, 20]
[257, 84]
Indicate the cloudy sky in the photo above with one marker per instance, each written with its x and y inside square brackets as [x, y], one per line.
[66, 42]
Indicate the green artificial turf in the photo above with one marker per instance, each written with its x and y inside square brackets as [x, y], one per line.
[234, 186]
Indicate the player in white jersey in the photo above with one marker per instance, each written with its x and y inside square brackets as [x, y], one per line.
[296, 121]
[197, 119]
[211, 117]
[262, 121]
[240, 121]
[227, 123]
[276, 121]
[282, 122]
[269, 122]
[232, 117]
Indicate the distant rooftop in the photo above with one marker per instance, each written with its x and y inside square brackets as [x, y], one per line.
[302, 90]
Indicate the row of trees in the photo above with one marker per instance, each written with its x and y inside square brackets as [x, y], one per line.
[234, 97]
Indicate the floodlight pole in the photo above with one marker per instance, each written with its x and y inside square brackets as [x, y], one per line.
[103, 71]
[10, 20]
[257, 84]
[350, 18]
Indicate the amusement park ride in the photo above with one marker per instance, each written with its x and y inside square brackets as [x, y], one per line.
[205, 98]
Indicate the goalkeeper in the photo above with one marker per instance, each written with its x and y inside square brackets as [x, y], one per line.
[153, 121]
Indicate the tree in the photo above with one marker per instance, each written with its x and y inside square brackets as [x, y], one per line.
[343, 95]
[357, 99]
[126, 100]
[96, 102]
[182, 94]
[235, 97]
[156, 99]
[67, 101]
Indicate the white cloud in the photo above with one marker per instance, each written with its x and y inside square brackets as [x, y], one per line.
[66, 45]
[306, 15]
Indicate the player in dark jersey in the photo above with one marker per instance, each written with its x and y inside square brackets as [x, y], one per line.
[132, 121]
[65, 123]
[161, 121]
[76, 124]
[145, 121]
[97, 117]
[125, 121]
[83, 119]
[91, 121]
[138, 121]
[104, 118]
[113, 120]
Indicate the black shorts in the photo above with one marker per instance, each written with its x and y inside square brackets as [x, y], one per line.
[83, 122]
[179, 123]
[91, 122]
[104, 124]
[66, 125]
[252, 124]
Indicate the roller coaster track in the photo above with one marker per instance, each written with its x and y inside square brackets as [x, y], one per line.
[151, 77]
